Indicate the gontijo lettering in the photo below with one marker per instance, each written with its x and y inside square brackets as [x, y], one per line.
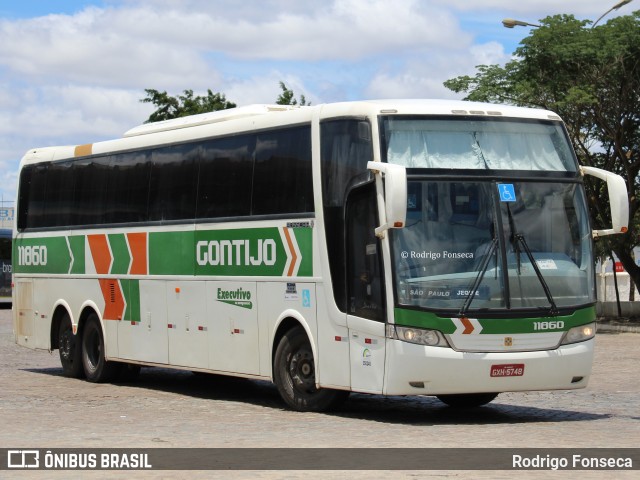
[236, 252]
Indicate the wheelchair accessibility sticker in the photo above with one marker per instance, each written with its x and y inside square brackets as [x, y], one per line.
[507, 192]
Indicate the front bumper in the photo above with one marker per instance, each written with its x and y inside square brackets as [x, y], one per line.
[419, 370]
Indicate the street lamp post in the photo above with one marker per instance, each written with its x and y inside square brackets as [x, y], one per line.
[615, 7]
[510, 22]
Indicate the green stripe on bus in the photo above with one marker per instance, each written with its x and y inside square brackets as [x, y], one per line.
[131, 292]
[269, 251]
[416, 318]
[42, 255]
[305, 243]
[77, 245]
[171, 253]
[120, 252]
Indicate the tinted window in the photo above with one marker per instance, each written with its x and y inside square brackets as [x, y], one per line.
[282, 175]
[59, 195]
[225, 177]
[128, 188]
[90, 191]
[31, 199]
[364, 277]
[254, 174]
[345, 149]
[173, 187]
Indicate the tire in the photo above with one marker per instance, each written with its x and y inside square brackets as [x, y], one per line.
[96, 368]
[295, 376]
[70, 349]
[467, 400]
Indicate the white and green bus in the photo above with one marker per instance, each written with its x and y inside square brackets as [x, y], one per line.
[389, 247]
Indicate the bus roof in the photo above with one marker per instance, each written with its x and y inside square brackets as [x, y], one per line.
[205, 119]
[252, 117]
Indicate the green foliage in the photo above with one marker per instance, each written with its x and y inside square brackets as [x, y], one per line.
[287, 97]
[168, 107]
[591, 78]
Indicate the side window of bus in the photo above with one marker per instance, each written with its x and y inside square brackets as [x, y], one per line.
[282, 181]
[224, 188]
[128, 188]
[172, 186]
[345, 149]
[364, 277]
[31, 196]
[90, 190]
[59, 195]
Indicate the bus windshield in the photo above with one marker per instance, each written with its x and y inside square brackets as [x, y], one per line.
[495, 216]
[478, 143]
[482, 244]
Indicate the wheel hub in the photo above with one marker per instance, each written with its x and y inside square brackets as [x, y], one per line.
[301, 369]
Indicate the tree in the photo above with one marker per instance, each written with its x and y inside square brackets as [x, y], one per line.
[591, 78]
[186, 104]
[287, 97]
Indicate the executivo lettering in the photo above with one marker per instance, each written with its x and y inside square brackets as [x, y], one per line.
[238, 297]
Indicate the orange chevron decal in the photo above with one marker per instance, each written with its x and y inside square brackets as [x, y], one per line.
[468, 326]
[113, 299]
[100, 253]
[294, 257]
[138, 247]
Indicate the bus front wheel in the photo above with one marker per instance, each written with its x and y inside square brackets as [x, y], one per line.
[70, 349]
[96, 368]
[295, 375]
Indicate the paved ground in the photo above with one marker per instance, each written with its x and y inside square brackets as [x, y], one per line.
[41, 409]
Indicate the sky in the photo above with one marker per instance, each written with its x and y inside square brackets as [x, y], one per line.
[74, 71]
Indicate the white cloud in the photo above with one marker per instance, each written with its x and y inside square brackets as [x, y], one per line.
[488, 54]
[89, 47]
[134, 43]
[423, 77]
[540, 8]
[266, 89]
[406, 84]
[58, 112]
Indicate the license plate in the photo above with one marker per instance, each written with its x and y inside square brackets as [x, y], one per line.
[508, 370]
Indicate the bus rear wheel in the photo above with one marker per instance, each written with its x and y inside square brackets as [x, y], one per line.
[96, 368]
[70, 349]
[295, 375]
[467, 400]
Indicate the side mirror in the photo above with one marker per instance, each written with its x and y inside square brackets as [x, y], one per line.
[395, 195]
[618, 200]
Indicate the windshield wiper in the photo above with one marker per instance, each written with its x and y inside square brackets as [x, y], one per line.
[476, 283]
[518, 239]
[512, 239]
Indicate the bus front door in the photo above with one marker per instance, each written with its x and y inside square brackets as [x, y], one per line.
[365, 292]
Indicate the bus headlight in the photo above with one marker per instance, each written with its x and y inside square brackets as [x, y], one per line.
[579, 334]
[420, 336]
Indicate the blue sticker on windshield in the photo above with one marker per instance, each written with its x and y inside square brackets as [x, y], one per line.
[507, 192]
